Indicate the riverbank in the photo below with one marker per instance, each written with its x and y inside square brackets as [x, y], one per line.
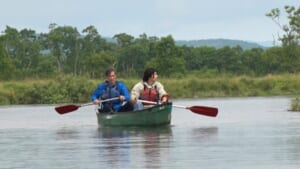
[67, 89]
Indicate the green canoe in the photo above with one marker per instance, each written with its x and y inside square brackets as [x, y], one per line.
[154, 116]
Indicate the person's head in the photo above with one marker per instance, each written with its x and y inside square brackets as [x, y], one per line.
[150, 73]
[111, 76]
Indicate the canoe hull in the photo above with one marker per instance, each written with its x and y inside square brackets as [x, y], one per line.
[154, 116]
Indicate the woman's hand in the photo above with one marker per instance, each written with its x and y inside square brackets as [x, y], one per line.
[164, 98]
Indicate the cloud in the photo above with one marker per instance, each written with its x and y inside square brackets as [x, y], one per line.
[183, 19]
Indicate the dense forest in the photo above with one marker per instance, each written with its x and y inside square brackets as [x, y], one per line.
[65, 50]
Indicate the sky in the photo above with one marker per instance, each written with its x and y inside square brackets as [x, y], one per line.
[182, 19]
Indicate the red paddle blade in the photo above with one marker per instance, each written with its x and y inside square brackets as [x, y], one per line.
[66, 109]
[208, 111]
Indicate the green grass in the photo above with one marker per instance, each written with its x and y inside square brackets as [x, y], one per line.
[67, 89]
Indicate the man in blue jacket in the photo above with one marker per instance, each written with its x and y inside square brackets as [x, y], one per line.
[111, 94]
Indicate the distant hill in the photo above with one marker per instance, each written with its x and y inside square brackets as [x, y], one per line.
[219, 43]
[269, 43]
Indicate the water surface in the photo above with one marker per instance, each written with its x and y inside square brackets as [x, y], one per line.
[249, 133]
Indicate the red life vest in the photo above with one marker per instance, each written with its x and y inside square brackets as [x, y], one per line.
[150, 94]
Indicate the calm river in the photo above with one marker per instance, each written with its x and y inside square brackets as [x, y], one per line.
[248, 133]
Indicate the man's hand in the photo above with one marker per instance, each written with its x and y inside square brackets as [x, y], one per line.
[96, 101]
[122, 98]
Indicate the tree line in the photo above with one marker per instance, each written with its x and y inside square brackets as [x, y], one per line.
[65, 50]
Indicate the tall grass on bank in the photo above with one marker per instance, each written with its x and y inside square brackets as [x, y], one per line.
[63, 89]
[68, 89]
[295, 106]
[224, 86]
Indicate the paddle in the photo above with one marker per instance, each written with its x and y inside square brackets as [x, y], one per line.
[203, 110]
[73, 107]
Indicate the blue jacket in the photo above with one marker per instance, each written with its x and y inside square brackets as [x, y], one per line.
[121, 88]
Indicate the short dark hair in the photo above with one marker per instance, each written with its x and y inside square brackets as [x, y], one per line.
[148, 73]
[108, 71]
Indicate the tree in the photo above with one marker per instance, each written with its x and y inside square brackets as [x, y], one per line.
[7, 67]
[22, 48]
[200, 58]
[92, 41]
[46, 66]
[132, 58]
[99, 62]
[63, 42]
[289, 59]
[28, 49]
[168, 58]
[252, 61]
[11, 41]
[272, 60]
[292, 29]
[123, 39]
[228, 59]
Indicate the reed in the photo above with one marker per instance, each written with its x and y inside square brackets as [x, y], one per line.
[68, 89]
[295, 105]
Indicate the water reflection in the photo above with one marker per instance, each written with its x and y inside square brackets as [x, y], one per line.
[121, 132]
[126, 147]
[205, 133]
[66, 134]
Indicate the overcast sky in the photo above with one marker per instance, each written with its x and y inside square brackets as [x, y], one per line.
[183, 19]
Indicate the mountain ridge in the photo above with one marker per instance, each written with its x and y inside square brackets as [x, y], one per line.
[219, 43]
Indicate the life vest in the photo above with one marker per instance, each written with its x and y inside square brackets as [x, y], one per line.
[110, 91]
[150, 94]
